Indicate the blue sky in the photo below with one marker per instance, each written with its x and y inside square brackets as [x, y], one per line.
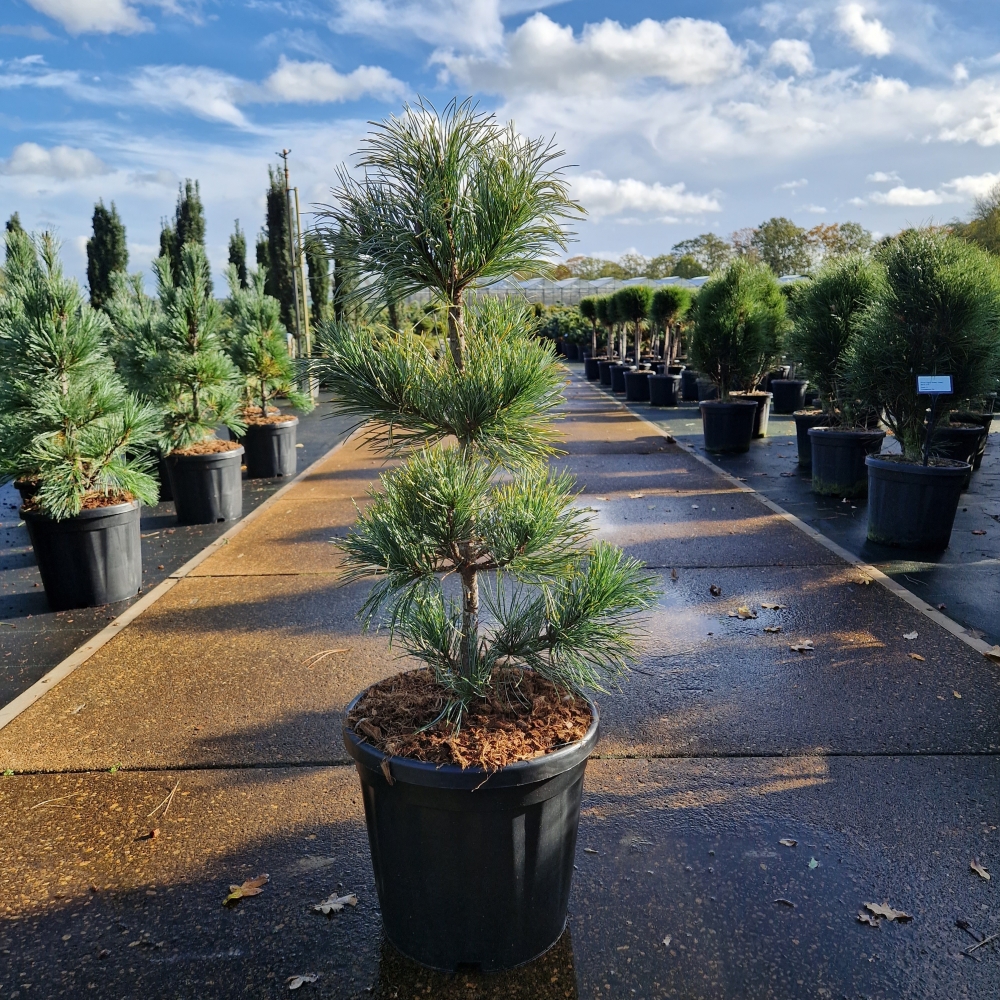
[677, 118]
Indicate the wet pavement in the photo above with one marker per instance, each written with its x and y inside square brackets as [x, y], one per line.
[34, 639]
[876, 754]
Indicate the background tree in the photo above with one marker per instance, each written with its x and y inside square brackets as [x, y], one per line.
[107, 253]
[661, 266]
[318, 265]
[188, 227]
[238, 253]
[280, 281]
[783, 246]
[13, 225]
[688, 266]
[710, 251]
[588, 310]
[837, 240]
[983, 226]
[261, 252]
[479, 202]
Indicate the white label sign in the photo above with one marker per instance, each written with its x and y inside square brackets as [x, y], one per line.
[934, 385]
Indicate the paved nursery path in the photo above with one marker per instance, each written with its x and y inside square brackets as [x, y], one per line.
[229, 690]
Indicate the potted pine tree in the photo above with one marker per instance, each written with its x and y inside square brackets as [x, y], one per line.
[198, 388]
[633, 309]
[835, 439]
[259, 348]
[485, 570]
[588, 310]
[937, 313]
[71, 434]
[739, 320]
[605, 317]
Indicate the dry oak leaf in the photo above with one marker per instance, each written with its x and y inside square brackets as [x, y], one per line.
[992, 654]
[673, 575]
[335, 903]
[772, 628]
[774, 607]
[251, 887]
[803, 647]
[979, 870]
[743, 612]
[294, 982]
[715, 590]
[787, 842]
[916, 656]
[867, 918]
[885, 910]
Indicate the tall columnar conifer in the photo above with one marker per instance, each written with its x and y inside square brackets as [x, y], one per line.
[238, 253]
[107, 253]
[188, 227]
[318, 264]
[280, 281]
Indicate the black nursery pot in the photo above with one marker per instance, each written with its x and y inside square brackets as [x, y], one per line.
[779, 373]
[637, 386]
[664, 390]
[763, 401]
[270, 449]
[838, 460]
[163, 474]
[728, 427]
[913, 505]
[689, 385]
[91, 559]
[958, 443]
[605, 370]
[789, 394]
[207, 488]
[707, 389]
[985, 420]
[804, 419]
[675, 369]
[618, 377]
[592, 369]
[473, 867]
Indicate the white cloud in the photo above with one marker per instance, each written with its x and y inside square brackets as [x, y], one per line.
[542, 55]
[868, 36]
[791, 52]
[791, 185]
[100, 16]
[816, 209]
[881, 177]
[319, 82]
[973, 186]
[207, 93]
[911, 197]
[602, 196]
[60, 162]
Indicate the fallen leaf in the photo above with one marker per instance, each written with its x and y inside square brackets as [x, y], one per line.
[772, 628]
[941, 607]
[673, 575]
[743, 612]
[916, 656]
[813, 863]
[605, 499]
[251, 887]
[636, 496]
[867, 918]
[589, 850]
[863, 581]
[785, 902]
[787, 842]
[387, 774]
[909, 635]
[335, 903]
[885, 910]
[805, 646]
[774, 607]
[666, 941]
[715, 590]
[694, 506]
[979, 870]
[979, 531]
[294, 982]
[957, 695]
[992, 654]
[788, 475]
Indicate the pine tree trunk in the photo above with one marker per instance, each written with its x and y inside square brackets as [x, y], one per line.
[456, 331]
[470, 619]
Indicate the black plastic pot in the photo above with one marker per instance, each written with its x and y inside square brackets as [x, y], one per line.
[782, 372]
[707, 389]
[207, 488]
[689, 385]
[763, 401]
[27, 488]
[789, 394]
[804, 419]
[605, 368]
[270, 449]
[838, 459]
[637, 386]
[910, 504]
[473, 868]
[572, 352]
[985, 420]
[960, 443]
[91, 559]
[675, 369]
[163, 474]
[728, 427]
[664, 390]
[811, 396]
[592, 369]
[618, 377]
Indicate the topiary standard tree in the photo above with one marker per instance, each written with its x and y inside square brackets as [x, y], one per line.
[668, 306]
[632, 306]
[588, 310]
[69, 429]
[937, 312]
[826, 312]
[447, 200]
[739, 324]
[606, 319]
[107, 253]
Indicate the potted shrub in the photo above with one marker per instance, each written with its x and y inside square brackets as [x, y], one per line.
[259, 348]
[588, 310]
[668, 306]
[71, 434]
[937, 312]
[605, 317]
[835, 439]
[472, 846]
[739, 317]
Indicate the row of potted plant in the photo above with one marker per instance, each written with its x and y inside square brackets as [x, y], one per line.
[96, 407]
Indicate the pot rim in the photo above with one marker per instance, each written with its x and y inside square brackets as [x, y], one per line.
[451, 776]
[790, 381]
[289, 420]
[89, 514]
[958, 470]
[848, 432]
[208, 455]
[727, 402]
